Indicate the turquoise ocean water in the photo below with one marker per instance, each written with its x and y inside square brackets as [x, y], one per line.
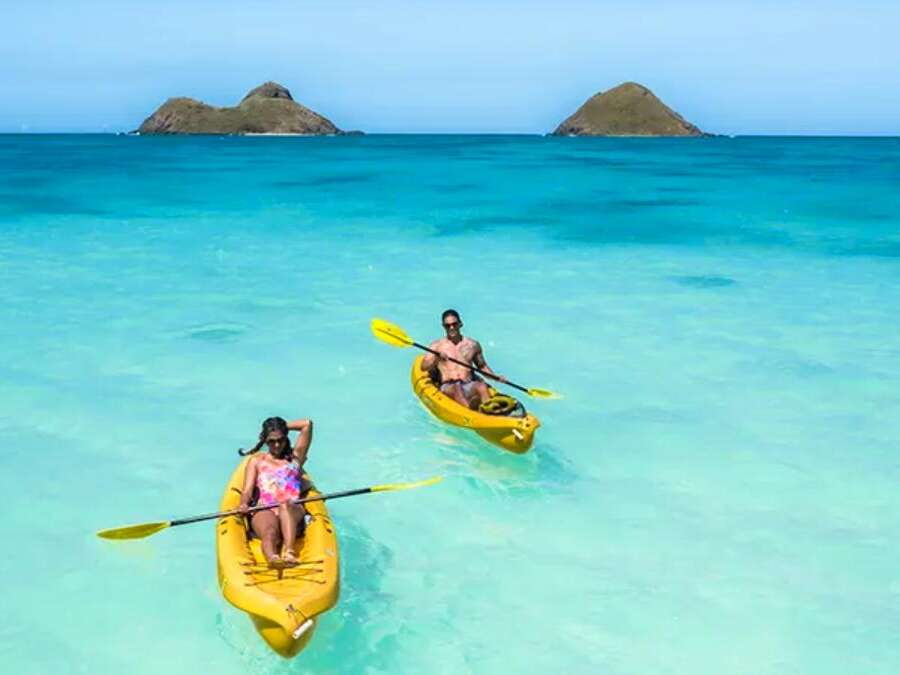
[717, 493]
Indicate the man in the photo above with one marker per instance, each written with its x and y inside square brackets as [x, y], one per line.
[459, 382]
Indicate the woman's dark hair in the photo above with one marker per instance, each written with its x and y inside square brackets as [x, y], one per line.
[268, 426]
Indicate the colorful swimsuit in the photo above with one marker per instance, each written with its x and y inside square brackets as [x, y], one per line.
[278, 484]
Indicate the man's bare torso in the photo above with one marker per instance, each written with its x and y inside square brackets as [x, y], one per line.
[466, 351]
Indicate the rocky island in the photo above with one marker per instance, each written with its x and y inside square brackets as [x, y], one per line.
[267, 109]
[627, 110]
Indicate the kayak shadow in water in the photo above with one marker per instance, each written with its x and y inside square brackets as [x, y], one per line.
[544, 467]
[353, 636]
[348, 638]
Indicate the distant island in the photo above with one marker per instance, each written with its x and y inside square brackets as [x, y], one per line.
[267, 109]
[627, 110]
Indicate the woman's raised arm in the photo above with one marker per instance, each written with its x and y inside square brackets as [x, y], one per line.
[301, 447]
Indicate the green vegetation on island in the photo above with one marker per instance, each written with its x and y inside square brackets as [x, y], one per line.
[627, 110]
[267, 109]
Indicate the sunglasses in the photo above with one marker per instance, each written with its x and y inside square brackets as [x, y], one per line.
[275, 441]
[452, 324]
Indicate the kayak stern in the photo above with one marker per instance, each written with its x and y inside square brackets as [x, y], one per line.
[281, 641]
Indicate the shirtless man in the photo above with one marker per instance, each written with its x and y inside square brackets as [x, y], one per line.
[459, 382]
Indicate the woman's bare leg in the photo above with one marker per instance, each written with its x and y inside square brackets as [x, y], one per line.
[290, 516]
[265, 524]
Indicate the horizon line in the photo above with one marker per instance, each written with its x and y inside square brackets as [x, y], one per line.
[445, 133]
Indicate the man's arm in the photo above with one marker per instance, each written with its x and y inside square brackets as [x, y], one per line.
[480, 363]
[430, 360]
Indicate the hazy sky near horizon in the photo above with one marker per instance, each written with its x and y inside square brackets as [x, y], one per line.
[741, 67]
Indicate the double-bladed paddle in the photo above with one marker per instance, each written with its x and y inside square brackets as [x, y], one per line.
[146, 529]
[395, 336]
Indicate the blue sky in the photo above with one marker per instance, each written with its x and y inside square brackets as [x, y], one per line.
[400, 66]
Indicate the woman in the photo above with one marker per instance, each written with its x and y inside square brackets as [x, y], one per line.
[276, 478]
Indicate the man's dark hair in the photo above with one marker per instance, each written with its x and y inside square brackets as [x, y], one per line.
[450, 312]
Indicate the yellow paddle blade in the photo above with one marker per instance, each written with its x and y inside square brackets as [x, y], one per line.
[407, 486]
[390, 333]
[543, 393]
[134, 531]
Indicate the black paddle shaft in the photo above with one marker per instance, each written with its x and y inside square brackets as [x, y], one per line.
[470, 367]
[263, 507]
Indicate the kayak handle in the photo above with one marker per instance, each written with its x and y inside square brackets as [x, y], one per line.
[305, 626]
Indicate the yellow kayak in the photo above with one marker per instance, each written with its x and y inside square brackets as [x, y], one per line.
[515, 434]
[282, 603]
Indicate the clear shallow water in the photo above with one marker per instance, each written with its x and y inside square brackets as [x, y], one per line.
[716, 494]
